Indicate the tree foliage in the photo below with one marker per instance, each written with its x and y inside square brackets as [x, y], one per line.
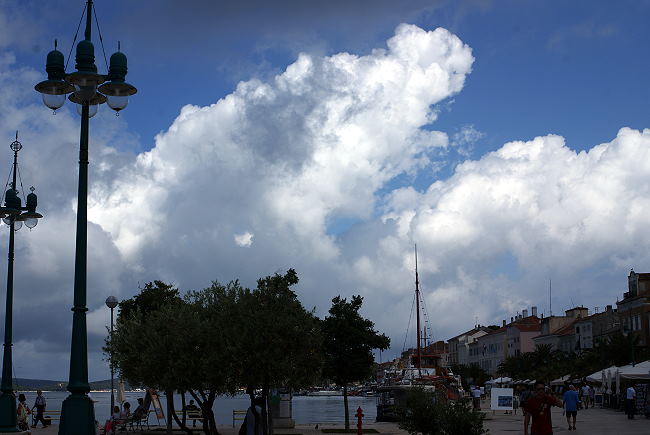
[214, 340]
[349, 340]
[429, 413]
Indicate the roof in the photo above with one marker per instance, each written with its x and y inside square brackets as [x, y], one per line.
[528, 327]
[473, 330]
[496, 331]
[566, 329]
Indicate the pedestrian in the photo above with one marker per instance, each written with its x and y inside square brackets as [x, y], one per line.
[586, 396]
[39, 404]
[571, 400]
[539, 408]
[252, 424]
[22, 412]
[630, 399]
[476, 397]
[592, 396]
[524, 395]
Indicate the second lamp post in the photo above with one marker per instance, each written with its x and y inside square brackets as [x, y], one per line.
[12, 214]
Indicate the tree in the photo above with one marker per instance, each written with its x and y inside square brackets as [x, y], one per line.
[153, 296]
[349, 340]
[279, 341]
[471, 374]
[171, 344]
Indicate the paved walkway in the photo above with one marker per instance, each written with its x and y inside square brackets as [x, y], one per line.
[589, 421]
[592, 421]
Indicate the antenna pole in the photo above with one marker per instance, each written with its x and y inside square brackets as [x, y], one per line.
[417, 310]
[550, 302]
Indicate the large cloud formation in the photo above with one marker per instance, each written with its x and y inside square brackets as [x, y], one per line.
[307, 170]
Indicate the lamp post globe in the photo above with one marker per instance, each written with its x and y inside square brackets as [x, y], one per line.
[111, 302]
[88, 89]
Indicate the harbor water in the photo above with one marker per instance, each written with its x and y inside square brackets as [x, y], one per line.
[305, 409]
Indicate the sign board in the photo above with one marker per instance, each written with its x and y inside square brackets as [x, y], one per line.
[153, 399]
[501, 399]
[598, 399]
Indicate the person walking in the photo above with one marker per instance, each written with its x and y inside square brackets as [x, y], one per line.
[630, 399]
[22, 412]
[586, 396]
[571, 400]
[539, 408]
[39, 404]
[476, 397]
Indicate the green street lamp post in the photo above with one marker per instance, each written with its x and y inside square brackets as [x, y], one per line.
[111, 302]
[12, 216]
[88, 90]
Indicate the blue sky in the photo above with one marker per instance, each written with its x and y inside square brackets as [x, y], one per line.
[330, 137]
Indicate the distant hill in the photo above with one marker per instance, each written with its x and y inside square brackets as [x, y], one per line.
[23, 384]
[36, 384]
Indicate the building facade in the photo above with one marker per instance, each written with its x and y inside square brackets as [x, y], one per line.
[634, 309]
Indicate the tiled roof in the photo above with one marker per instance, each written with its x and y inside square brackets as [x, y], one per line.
[528, 327]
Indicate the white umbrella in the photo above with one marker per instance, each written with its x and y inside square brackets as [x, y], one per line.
[639, 371]
[609, 382]
[121, 394]
[618, 381]
[602, 381]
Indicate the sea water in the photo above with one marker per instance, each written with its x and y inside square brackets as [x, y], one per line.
[305, 409]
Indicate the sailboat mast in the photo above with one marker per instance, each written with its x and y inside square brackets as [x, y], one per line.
[417, 308]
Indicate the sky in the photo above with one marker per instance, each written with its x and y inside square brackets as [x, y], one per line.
[506, 139]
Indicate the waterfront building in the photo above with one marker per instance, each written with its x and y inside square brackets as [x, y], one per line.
[459, 345]
[559, 331]
[521, 331]
[493, 349]
[596, 328]
[634, 309]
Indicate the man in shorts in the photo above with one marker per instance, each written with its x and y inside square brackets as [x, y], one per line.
[571, 406]
[539, 408]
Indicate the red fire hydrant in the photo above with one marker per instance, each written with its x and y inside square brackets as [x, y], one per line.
[359, 421]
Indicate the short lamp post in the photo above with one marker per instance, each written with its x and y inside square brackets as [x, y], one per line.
[111, 302]
[13, 214]
[88, 90]
[630, 336]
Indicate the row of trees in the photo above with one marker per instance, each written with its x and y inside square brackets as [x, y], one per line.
[213, 341]
[548, 364]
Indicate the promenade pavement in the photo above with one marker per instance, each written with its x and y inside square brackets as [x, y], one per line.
[592, 421]
[589, 421]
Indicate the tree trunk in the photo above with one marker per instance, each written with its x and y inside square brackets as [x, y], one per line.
[181, 424]
[269, 416]
[183, 408]
[206, 403]
[345, 405]
[265, 415]
[170, 410]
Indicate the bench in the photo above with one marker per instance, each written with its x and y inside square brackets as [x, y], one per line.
[191, 415]
[135, 423]
[238, 414]
[47, 415]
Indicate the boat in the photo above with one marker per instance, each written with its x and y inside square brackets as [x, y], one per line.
[325, 393]
[418, 368]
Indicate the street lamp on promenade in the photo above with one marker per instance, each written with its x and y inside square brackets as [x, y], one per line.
[88, 90]
[12, 216]
[111, 302]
